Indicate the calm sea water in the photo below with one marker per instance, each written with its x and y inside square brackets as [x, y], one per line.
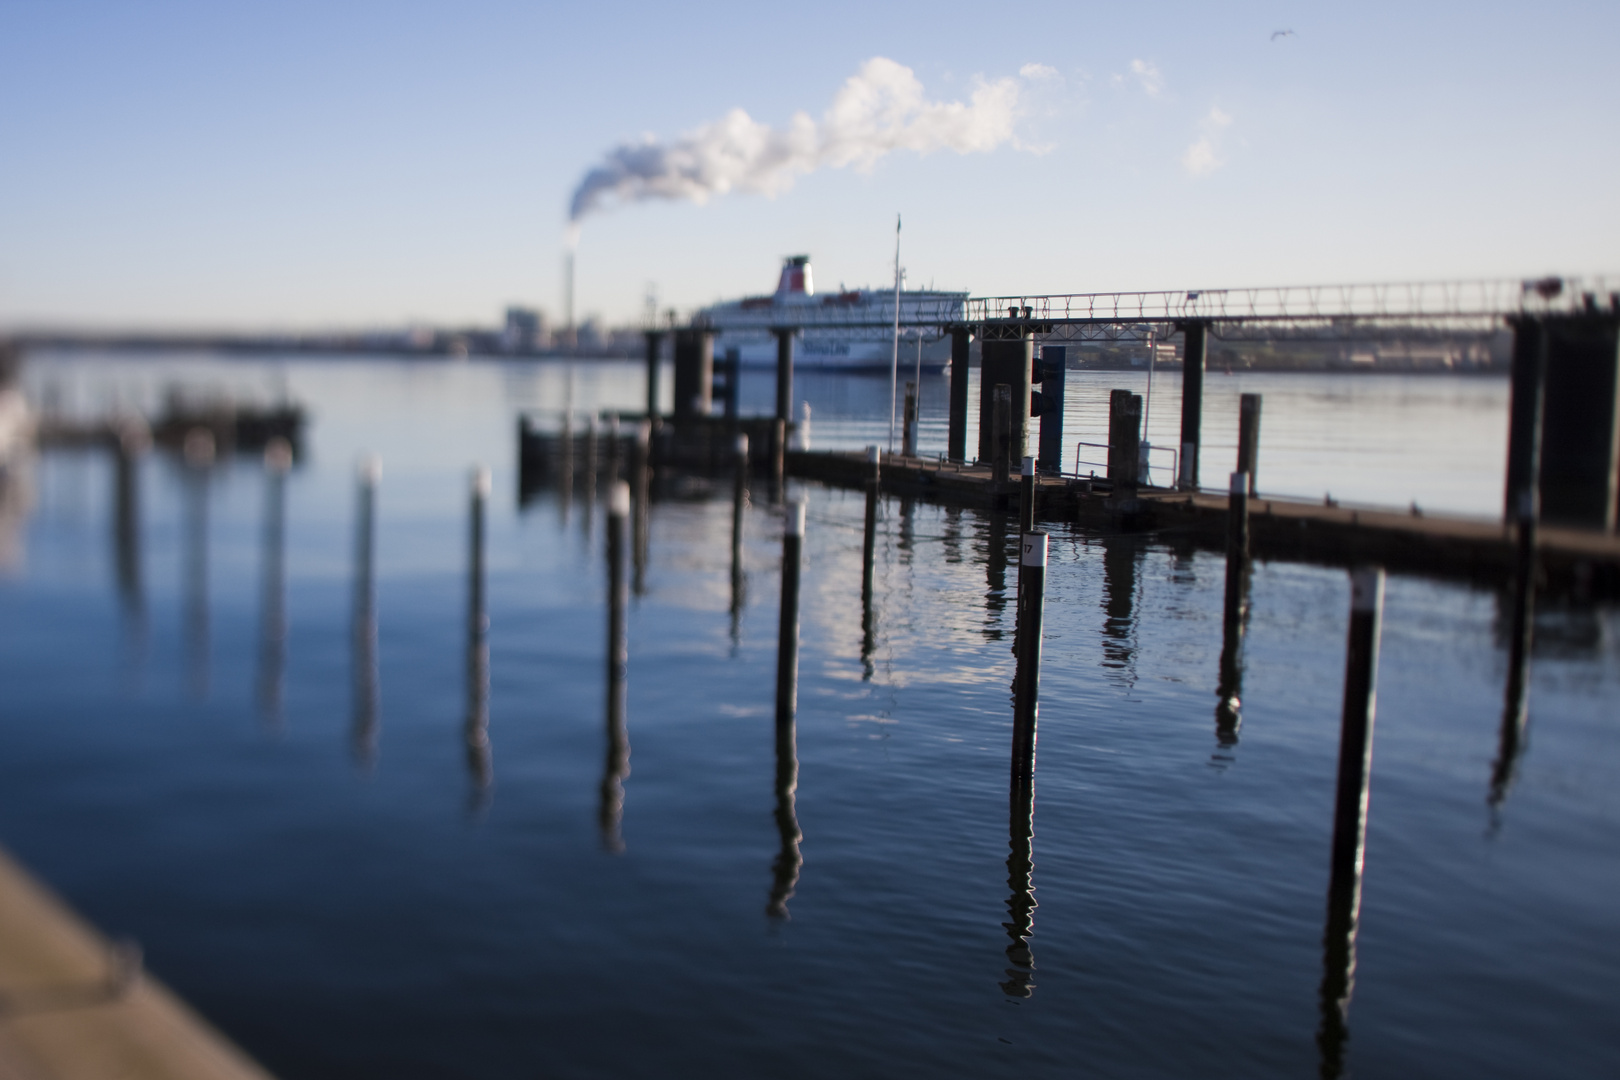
[347, 911]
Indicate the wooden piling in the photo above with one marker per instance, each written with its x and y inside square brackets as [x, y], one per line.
[641, 489]
[908, 428]
[1053, 369]
[1194, 346]
[787, 640]
[1249, 438]
[1000, 438]
[655, 339]
[1229, 690]
[784, 372]
[1027, 678]
[1026, 496]
[956, 436]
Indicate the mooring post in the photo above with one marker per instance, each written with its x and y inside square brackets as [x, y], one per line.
[733, 378]
[1249, 438]
[694, 375]
[1006, 355]
[1350, 813]
[1027, 679]
[1194, 347]
[1124, 440]
[591, 436]
[1237, 544]
[1026, 497]
[784, 372]
[655, 340]
[565, 464]
[475, 732]
[1053, 370]
[1580, 434]
[617, 767]
[640, 477]
[908, 430]
[956, 437]
[778, 456]
[1000, 448]
[787, 640]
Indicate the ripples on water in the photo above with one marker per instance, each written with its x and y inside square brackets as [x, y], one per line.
[267, 780]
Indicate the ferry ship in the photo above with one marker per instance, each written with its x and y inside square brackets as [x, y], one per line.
[850, 330]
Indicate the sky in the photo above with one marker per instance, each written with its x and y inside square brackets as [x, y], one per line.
[260, 167]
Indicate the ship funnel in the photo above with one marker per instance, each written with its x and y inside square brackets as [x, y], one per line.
[795, 282]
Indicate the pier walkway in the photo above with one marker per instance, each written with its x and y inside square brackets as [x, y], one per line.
[75, 1007]
[1578, 562]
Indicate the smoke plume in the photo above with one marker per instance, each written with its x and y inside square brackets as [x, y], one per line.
[879, 109]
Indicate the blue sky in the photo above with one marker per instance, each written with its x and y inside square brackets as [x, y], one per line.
[262, 166]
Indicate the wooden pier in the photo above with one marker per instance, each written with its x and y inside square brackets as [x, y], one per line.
[75, 1007]
[1575, 562]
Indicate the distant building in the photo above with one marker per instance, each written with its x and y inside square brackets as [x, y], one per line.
[523, 330]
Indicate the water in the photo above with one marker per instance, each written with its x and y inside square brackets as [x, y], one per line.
[341, 911]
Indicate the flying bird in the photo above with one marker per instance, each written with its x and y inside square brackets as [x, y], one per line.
[1275, 34]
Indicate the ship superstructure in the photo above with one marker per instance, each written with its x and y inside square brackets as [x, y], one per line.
[852, 329]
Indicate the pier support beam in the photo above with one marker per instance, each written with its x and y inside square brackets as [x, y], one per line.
[1249, 438]
[1006, 359]
[655, 342]
[1051, 370]
[1124, 438]
[694, 375]
[956, 437]
[1580, 440]
[1194, 348]
[784, 371]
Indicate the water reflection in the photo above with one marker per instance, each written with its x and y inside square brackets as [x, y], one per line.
[610, 813]
[994, 530]
[952, 541]
[739, 503]
[475, 731]
[785, 867]
[1234, 629]
[127, 451]
[1020, 924]
[1120, 557]
[199, 459]
[363, 629]
[273, 581]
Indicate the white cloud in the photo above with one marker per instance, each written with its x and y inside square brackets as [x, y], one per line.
[1203, 155]
[1148, 75]
[1038, 71]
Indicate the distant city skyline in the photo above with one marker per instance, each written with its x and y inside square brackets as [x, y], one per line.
[300, 166]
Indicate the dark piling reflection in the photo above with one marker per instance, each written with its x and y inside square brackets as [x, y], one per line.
[363, 725]
[198, 452]
[952, 540]
[273, 580]
[1020, 924]
[133, 442]
[475, 731]
[785, 868]
[1350, 819]
[739, 503]
[1120, 555]
[906, 543]
[1234, 616]
[610, 814]
[1521, 633]
[996, 524]
[590, 481]
[874, 493]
